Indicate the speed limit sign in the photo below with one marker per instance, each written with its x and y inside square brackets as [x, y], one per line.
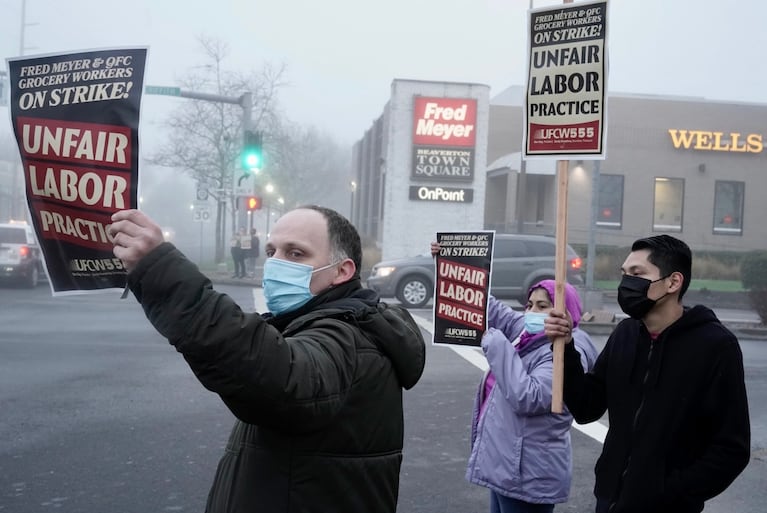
[201, 214]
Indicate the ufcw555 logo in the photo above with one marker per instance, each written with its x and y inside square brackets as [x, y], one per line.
[571, 132]
[716, 141]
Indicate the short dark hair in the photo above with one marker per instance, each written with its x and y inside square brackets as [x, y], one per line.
[668, 254]
[343, 236]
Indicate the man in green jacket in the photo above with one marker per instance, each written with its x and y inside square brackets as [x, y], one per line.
[316, 383]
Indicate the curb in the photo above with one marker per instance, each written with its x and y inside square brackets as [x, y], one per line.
[746, 331]
[741, 330]
[228, 280]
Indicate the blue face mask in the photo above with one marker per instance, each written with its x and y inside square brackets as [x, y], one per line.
[534, 322]
[286, 284]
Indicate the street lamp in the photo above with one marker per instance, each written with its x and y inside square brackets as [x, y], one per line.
[269, 189]
[353, 189]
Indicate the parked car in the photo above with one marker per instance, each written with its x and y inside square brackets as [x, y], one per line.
[519, 261]
[20, 257]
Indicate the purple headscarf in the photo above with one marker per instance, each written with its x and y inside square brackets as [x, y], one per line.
[572, 304]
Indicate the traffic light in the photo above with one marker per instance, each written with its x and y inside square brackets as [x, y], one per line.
[252, 151]
[252, 203]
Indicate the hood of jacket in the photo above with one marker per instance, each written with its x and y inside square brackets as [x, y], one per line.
[693, 317]
[390, 327]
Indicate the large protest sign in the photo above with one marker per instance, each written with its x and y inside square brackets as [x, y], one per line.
[76, 118]
[462, 285]
[565, 114]
[565, 107]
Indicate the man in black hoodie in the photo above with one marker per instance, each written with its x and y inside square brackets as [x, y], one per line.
[316, 384]
[671, 379]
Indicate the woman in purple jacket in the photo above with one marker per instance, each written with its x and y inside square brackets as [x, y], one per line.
[520, 450]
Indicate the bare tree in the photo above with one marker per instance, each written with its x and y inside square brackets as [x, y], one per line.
[205, 138]
[304, 164]
[309, 166]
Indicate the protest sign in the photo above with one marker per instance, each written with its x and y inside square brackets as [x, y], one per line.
[565, 104]
[461, 288]
[75, 117]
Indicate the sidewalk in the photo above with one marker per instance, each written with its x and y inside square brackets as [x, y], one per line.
[736, 315]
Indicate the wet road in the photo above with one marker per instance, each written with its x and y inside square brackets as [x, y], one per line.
[99, 413]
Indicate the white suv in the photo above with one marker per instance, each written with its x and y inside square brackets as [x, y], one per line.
[20, 258]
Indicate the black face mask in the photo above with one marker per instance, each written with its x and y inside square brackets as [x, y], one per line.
[632, 295]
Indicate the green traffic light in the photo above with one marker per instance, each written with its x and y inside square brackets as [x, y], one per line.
[251, 151]
[252, 161]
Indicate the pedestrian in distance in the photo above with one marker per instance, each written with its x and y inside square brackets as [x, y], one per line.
[254, 252]
[315, 383]
[672, 382]
[236, 252]
[519, 449]
[244, 253]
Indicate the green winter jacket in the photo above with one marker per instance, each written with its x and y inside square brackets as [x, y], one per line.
[317, 392]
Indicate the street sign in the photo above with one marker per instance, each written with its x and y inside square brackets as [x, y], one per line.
[201, 214]
[202, 194]
[164, 90]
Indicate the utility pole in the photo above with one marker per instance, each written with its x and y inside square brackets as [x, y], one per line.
[23, 26]
[15, 196]
[591, 253]
[521, 202]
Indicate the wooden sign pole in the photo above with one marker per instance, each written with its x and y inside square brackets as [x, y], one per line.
[558, 376]
[561, 278]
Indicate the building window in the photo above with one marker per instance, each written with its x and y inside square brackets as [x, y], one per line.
[610, 201]
[728, 207]
[667, 212]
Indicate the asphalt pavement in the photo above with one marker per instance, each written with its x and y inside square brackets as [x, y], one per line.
[99, 413]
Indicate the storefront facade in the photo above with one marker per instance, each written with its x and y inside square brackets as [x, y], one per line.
[689, 167]
[420, 168]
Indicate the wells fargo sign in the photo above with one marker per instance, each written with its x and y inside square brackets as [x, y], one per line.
[716, 141]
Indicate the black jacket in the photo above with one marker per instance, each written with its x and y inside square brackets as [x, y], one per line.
[679, 428]
[318, 392]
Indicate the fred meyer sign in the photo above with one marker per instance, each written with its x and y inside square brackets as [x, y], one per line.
[716, 141]
[444, 136]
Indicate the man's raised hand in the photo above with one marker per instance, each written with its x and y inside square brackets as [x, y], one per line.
[134, 235]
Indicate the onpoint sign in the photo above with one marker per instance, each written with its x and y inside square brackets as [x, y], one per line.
[444, 194]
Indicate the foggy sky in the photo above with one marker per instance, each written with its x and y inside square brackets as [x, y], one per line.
[342, 55]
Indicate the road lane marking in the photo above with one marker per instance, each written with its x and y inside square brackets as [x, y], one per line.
[474, 356]
[259, 303]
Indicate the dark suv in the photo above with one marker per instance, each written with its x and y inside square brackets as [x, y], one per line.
[519, 261]
[20, 258]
